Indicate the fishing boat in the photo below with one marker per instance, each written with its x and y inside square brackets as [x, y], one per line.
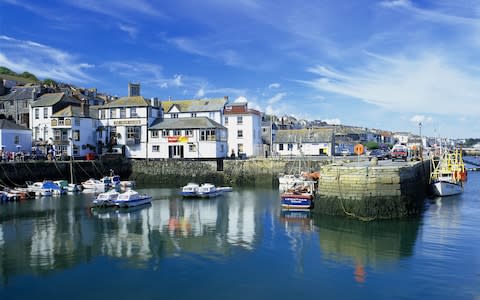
[190, 190]
[448, 174]
[208, 190]
[132, 198]
[300, 196]
[106, 199]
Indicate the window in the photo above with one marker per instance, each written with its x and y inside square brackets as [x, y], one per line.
[76, 135]
[75, 150]
[155, 148]
[77, 121]
[280, 147]
[211, 115]
[193, 115]
[226, 121]
[154, 134]
[113, 113]
[189, 132]
[240, 148]
[290, 147]
[192, 147]
[57, 135]
[25, 104]
[45, 112]
[36, 134]
[102, 114]
[239, 133]
[16, 140]
[174, 116]
[207, 135]
[240, 120]
[133, 132]
[123, 112]
[133, 112]
[2, 106]
[37, 113]
[177, 132]
[164, 133]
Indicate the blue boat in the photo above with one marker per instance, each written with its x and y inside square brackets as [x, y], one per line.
[299, 197]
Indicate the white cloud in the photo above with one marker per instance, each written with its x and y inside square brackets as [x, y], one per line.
[200, 93]
[425, 83]
[131, 30]
[335, 121]
[275, 99]
[274, 85]
[42, 60]
[119, 9]
[421, 119]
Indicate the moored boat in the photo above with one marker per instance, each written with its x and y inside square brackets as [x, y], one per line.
[208, 190]
[448, 174]
[132, 198]
[299, 197]
[93, 185]
[106, 199]
[190, 190]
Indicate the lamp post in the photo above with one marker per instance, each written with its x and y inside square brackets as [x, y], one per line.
[421, 139]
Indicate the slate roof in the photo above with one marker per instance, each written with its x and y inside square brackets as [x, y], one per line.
[51, 99]
[6, 124]
[76, 111]
[304, 136]
[186, 123]
[19, 94]
[216, 104]
[132, 101]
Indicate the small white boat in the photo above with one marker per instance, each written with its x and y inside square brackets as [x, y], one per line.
[106, 199]
[224, 189]
[132, 198]
[190, 190]
[94, 185]
[208, 190]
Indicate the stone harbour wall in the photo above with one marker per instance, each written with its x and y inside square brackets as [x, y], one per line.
[373, 192]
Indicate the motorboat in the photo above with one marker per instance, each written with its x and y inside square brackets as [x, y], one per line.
[132, 198]
[106, 199]
[299, 197]
[93, 185]
[190, 190]
[208, 190]
[38, 188]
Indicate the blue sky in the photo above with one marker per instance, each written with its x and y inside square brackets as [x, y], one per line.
[379, 64]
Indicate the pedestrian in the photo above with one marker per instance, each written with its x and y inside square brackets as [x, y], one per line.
[232, 155]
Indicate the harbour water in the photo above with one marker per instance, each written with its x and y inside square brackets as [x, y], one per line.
[237, 246]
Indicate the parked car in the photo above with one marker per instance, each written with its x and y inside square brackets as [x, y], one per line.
[399, 152]
[345, 152]
[379, 154]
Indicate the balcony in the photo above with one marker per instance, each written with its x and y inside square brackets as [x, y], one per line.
[66, 123]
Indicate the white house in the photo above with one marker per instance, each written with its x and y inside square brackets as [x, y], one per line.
[244, 128]
[210, 108]
[74, 130]
[14, 137]
[124, 124]
[195, 138]
[41, 111]
[298, 142]
[401, 137]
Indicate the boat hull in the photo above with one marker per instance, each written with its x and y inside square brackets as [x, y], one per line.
[297, 201]
[134, 202]
[445, 188]
[189, 194]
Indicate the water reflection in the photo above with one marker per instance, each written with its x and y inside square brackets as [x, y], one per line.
[366, 245]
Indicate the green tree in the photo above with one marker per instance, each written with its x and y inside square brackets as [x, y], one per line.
[50, 82]
[28, 75]
[7, 71]
[371, 145]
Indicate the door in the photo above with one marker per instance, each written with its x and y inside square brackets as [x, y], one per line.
[175, 151]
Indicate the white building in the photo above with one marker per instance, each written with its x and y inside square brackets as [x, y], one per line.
[41, 111]
[124, 124]
[198, 137]
[14, 137]
[298, 142]
[401, 137]
[74, 130]
[244, 129]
